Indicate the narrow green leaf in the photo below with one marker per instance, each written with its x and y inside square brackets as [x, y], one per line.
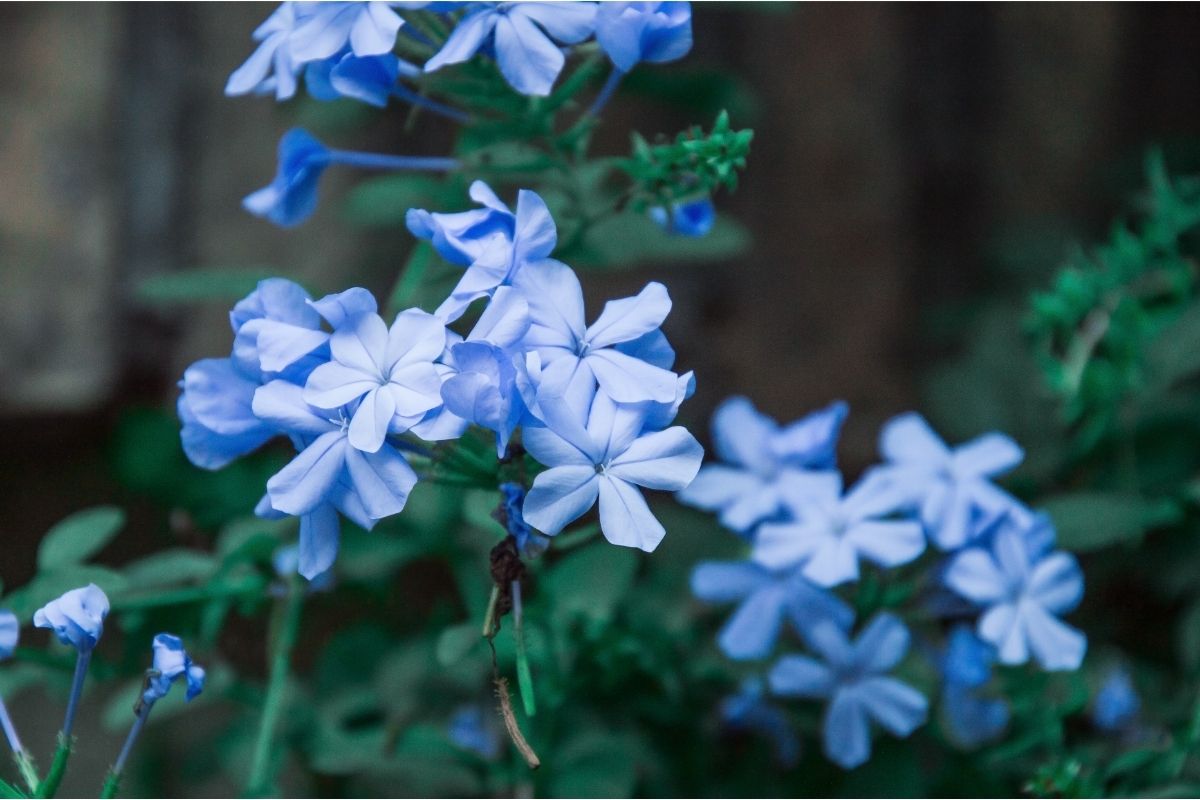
[79, 536]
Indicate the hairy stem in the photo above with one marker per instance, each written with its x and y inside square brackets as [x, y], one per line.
[289, 608]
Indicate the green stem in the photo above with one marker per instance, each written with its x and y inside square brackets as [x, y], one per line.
[29, 772]
[289, 628]
[58, 768]
[8, 790]
[489, 619]
[112, 782]
[524, 675]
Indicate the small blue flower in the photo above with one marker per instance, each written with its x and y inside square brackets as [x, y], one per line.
[272, 67]
[952, 487]
[172, 662]
[492, 242]
[77, 617]
[469, 729]
[761, 461]
[219, 424]
[370, 79]
[1022, 591]
[693, 218]
[607, 460]
[970, 718]
[292, 196]
[853, 679]
[654, 32]
[765, 600]
[389, 372]
[1117, 703]
[274, 327]
[749, 710]
[530, 543]
[832, 531]
[576, 358]
[368, 29]
[523, 37]
[10, 631]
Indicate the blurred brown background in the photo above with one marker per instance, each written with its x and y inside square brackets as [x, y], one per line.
[897, 148]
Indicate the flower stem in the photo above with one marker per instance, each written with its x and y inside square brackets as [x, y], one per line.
[138, 723]
[421, 101]
[112, 783]
[10, 730]
[289, 628]
[81, 665]
[58, 767]
[385, 161]
[29, 772]
[606, 92]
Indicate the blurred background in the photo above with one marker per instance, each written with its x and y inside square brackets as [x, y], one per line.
[915, 172]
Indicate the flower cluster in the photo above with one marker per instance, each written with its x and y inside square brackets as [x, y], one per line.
[355, 393]
[1000, 583]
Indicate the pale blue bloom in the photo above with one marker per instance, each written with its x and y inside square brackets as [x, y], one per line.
[473, 729]
[654, 32]
[691, 218]
[765, 600]
[952, 487]
[10, 631]
[749, 710]
[291, 197]
[852, 676]
[523, 37]
[77, 617]
[576, 358]
[370, 79]
[489, 368]
[219, 424]
[329, 475]
[1022, 591]
[368, 29]
[968, 716]
[272, 67]
[492, 242]
[172, 662]
[1117, 703]
[286, 562]
[608, 460]
[762, 460]
[389, 372]
[530, 543]
[832, 532]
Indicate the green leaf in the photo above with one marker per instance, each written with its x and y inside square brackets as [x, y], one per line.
[1090, 520]
[455, 642]
[208, 284]
[50, 584]
[80, 536]
[589, 583]
[629, 240]
[170, 567]
[385, 201]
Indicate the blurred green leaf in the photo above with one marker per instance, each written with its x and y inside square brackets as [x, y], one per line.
[1090, 520]
[384, 201]
[589, 583]
[629, 240]
[203, 284]
[79, 537]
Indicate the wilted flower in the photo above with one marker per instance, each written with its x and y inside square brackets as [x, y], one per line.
[172, 662]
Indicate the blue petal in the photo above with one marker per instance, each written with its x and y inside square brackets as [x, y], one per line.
[726, 581]
[751, 631]
[800, 676]
[847, 738]
[320, 532]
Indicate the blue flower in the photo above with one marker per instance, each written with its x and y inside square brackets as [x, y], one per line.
[329, 475]
[10, 631]
[693, 218]
[1022, 591]
[530, 543]
[292, 196]
[608, 460]
[389, 372]
[853, 679]
[633, 32]
[833, 532]
[492, 242]
[272, 67]
[523, 37]
[469, 729]
[77, 617]
[370, 79]
[749, 710]
[219, 424]
[1117, 703]
[282, 314]
[488, 367]
[761, 460]
[765, 600]
[952, 487]
[172, 662]
[968, 717]
[575, 359]
[369, 29]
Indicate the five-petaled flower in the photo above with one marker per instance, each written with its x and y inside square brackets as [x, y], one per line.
[653, 32]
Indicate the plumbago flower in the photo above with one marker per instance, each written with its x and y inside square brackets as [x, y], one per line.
[969, 717]
[1022, 587]
[853, 678]
[834, 531]
[765, 600]
[493, 243]
[692, 218]
[654, 32]
[77, 617]
[762, 461]
[1116, 705]
[952, 487]
[172, 662]
[523, 37]
[607, 460]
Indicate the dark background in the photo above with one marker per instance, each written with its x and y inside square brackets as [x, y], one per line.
[912, 166]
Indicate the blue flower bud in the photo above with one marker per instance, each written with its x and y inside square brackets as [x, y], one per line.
[77, 618]
[10, 630]
[172, 662]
